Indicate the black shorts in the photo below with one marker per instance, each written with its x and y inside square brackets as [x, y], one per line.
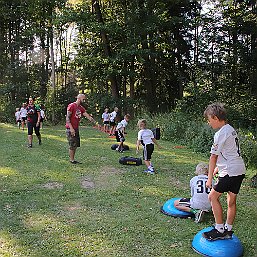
[148, 151]
[185, 202]
[106, 122]
[24, 118]
[42, 119]
[112, 123]
[229, 184]
[74, 142]
[31, 126]
[119, 136]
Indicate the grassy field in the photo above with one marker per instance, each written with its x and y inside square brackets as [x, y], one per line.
[50, 207]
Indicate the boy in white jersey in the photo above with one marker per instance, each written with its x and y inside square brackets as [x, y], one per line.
[147, 140]
[119, 132]
[18, 117]
[113, 116]
[198, 203]
[106, 120]
[225, 154]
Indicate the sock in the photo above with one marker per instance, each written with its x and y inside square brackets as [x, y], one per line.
[228, 227]
[220, 227]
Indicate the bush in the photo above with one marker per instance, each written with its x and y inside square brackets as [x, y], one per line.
[248, 146]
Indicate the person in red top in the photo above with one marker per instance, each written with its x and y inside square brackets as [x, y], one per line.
[74, 113]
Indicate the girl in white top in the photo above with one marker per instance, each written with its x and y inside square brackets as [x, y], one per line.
[23, 111]
[147, 140]
[18, 117]
[106, 120]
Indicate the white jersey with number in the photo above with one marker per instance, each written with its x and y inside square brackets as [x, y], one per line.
[199, 193]
[226, 146]
[113, 116]
[146, 136]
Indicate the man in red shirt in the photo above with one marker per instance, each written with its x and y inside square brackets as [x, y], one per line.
[74, 113]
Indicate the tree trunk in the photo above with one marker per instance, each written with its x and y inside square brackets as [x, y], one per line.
[107, 48]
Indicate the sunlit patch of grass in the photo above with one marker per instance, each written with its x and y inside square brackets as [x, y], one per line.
[7, 171]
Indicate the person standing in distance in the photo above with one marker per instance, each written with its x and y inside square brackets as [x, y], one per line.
[75, 111]
[33, 122]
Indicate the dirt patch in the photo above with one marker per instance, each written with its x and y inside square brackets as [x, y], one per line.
[87, 183]
[111, 170]
[53, 185]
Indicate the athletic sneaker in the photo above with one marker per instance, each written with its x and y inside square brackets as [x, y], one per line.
[75, 162]
[214, 234]
[199, 216]
[29, 145]
[149, 171]
[39, 142]
[229, 233]
[119, 150]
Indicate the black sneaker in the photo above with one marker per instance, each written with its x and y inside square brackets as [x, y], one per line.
[75, 162]
[29, 145]
[40, 142]
[214, 234]
[199, 216]
[229, 233]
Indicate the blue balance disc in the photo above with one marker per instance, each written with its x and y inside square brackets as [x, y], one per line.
[218, 248]
[169, 209]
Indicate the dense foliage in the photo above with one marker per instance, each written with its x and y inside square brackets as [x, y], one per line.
[141, 55]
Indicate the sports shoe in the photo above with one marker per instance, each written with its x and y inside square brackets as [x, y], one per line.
[75, 162]
[199, 216]
[39, 142]
[214, 234]
[149, 171]
[229, 233]
[29, 145]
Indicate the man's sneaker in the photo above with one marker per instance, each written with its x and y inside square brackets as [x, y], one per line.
[75, 162]
[199, 216]
[39, 142]
[214, 234]
[149, 171]
[29, 145]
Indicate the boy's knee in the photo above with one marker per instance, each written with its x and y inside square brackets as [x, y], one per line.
[176, 203]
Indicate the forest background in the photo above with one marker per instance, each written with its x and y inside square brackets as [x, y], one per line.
[163, 60]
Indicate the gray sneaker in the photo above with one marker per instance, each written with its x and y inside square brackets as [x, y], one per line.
[199, 216]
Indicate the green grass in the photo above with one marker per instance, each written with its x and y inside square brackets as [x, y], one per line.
[51, 208]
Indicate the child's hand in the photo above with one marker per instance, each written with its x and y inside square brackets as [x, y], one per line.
[216, 170]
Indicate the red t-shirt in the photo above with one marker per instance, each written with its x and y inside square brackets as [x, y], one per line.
[76, 113]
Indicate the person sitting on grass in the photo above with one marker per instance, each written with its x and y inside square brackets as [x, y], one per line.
[119, 132]
[198, 204]
[146, 139]
[225, 154]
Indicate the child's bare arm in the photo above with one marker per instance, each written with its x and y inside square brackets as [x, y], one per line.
[138, 145]
[212, 166]
[155, 142]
